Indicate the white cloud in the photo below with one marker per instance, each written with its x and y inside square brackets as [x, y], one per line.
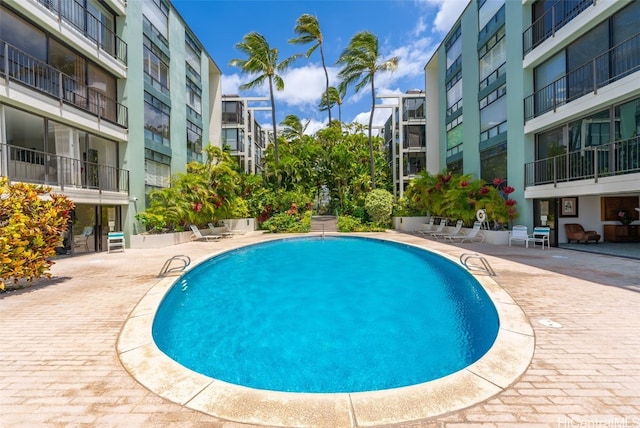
[314, 126]
[448, 13]
[420, 27]
[231, 83]
[380, 117]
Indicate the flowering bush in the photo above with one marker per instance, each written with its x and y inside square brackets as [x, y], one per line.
[624, 217]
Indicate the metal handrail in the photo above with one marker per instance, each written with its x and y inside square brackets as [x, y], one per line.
[166, 267]
[90, 26]
[486, 267]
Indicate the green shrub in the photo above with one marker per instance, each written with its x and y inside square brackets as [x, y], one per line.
[347, 223]
[288, 223]
[379, 205]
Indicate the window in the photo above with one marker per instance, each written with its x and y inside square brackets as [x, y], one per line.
[495, 54]
[156, 175]
[194, 141]
[234, 138]
[232, 112]
[156, 65]
[413, 108]
[550, 144]
[454, 137]
[454, 94]
[22, 35]
[194, 97]
[493, 162]
[192, 55]
[455, 167]
[157, 12]
[487, 10]
[493, 113]
[627, 115]
[414, 136]
[156, 120]
[101, 26]
[454, 48]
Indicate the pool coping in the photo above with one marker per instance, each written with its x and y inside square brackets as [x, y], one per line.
[500, 367]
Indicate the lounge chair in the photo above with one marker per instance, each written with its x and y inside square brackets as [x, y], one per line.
[540, 235]
[519, 233]
[473, 234]
[427, 227]
[222, 231]
[439, 228]
[198, 236]
[456, 231]
[576, 232]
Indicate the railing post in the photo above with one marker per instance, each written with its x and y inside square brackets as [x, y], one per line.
[555, 171]
[595, 78]
[6, 60]
[61, 87]
[595, 164]
[553, 20]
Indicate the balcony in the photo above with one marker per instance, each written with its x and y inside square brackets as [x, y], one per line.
[20, 67]
[33, 166]
[621, 157]
[561, 13]
[92, 28]
[616, 63]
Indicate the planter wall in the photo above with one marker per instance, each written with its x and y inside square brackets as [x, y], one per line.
[240, 224]
[409, 224]
[160, 240]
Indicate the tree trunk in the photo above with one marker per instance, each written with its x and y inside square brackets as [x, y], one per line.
[372, 163]
[273, 120]
[326, 90]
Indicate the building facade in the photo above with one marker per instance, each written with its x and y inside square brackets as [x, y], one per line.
[242, 135]
[404, 137]
[103, 101]
[544, 94]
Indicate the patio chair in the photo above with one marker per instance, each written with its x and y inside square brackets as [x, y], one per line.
[84, 237]
[439, 228]
[427, 227]
[519, 233]
[576, 232]
[198, 236]
[540, 235]
[473, 234]
[456, 231]
[220, 231]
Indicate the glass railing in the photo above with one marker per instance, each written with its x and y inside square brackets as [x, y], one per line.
[91, 27]
[34, 166]
[29, 71]
[561, 13]
[613, 65]
[620, 157]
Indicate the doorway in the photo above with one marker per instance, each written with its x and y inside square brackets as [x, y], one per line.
[545, 213]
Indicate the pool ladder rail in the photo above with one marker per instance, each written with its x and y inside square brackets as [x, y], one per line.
[167, 268]
[485, 267]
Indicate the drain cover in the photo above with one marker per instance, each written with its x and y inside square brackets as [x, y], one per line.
[549, 323]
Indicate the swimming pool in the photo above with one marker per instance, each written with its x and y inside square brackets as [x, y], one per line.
[335, 315]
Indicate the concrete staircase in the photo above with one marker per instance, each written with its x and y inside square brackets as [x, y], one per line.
[329, 222]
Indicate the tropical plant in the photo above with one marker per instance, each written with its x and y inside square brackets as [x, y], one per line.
[360, 61]
[31, 227]
[207, 192]
[379, 205]
[333, 96]
[262, 62]
[293, 127]
[308, 30]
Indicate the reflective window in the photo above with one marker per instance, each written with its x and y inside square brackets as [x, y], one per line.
[17, 32]
[487, 11]
[156, 120]
[192, 55]
[493, 162]
[156, 64]
[454, 137]
[157, 12]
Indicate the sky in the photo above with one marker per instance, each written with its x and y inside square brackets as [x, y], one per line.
[408, 29]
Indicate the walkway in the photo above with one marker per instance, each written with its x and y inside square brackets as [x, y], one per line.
[60, 366]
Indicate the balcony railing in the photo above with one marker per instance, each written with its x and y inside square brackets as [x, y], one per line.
[621, 157]
[33, 166]
[90, 26]
[29, 71]
[612, 65]
[561, 13]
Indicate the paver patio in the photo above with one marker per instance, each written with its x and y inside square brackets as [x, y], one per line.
[60, 365]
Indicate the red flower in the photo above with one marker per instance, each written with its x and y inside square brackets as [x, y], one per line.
[508, 190]
[484, 190]
[498, 181]
[510, 202]
[197, 207]
[464, 183]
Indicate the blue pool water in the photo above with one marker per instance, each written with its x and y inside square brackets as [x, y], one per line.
[341, 314]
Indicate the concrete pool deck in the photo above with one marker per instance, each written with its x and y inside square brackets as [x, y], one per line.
[61, 364]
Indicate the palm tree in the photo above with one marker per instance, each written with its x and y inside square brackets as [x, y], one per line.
[262, 60]
[360, 64]
[294, 128]
[308, 30]
[333, 96]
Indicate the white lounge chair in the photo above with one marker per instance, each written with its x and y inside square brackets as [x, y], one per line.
[474, 234]
[222, 231]
[519, 233]
[198, 236]
[540, 235]
[439, 228]
[456, 231]
[427, 227]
